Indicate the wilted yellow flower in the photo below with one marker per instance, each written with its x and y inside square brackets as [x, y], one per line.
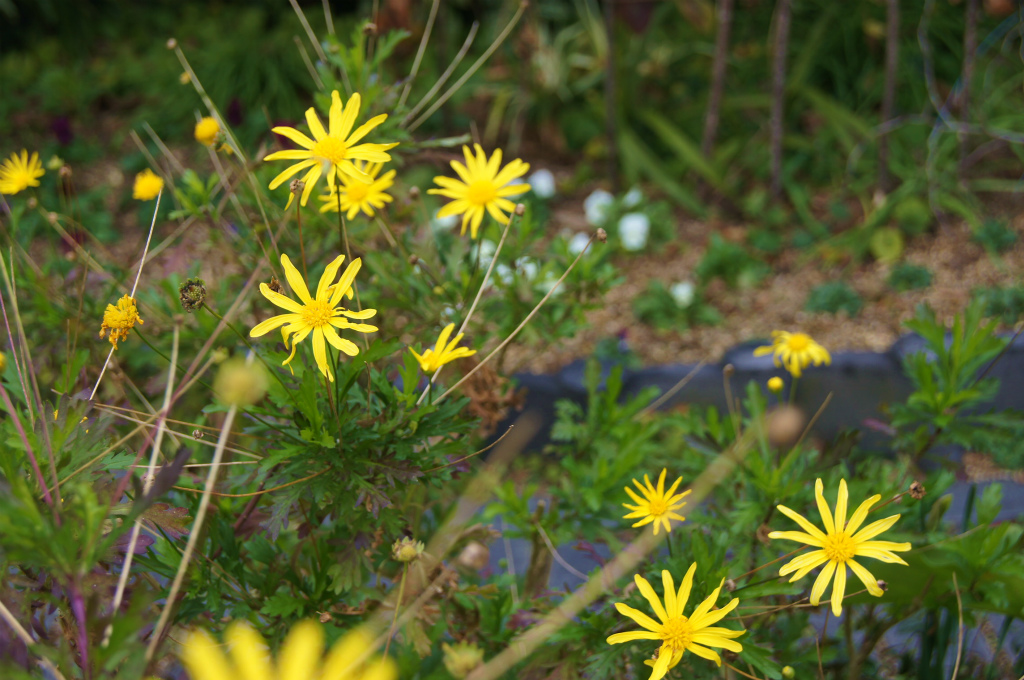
[18, 173]
[118, 320]
[838, 545]
[657, 505]
[207, 130]
[300, 658]
[679, 634]
[775, 384]
[406, 549]
[482, 188]
[319, 315]
[794, 352]
[357, 196]
[331, 152]
[443, 352]
[462, 658]
[148, 185]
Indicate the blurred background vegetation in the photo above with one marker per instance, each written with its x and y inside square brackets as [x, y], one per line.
[846, 128]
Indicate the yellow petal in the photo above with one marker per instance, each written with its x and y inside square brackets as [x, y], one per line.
[300, 654]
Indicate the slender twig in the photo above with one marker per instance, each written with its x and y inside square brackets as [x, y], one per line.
[521, 325]
[960, 628]
[472, 69]
[204, 503]
[147, 484]
[24, 636]
[398, 605]
[459, 56]
[419, 54]
[892, 61]
[718, 69]
[218, 494]
[479, 294]
[142, 262]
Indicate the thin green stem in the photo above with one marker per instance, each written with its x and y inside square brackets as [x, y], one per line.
[398, 605]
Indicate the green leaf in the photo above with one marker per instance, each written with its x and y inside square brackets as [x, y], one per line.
[989, 504]
[760, 658]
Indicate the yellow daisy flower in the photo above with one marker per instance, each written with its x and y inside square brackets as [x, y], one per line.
[319, 315]
[148, 185]
[794, 352]
[356, 195]
[331, 151]
[118, 320]
[300, 658]
[657, 505]
[838, 545]
[20, 173]
[444, 352]
[207, 130]
[679, 634]
[482, 187]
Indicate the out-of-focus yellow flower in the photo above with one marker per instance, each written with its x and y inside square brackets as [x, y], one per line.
[657, 505]
[357, 196]
[119, 319]
[18, 173]
[678, 633]
[331, 152]
[775, 384]
[300, 658]
[838, 545]
[794, 352]
[207, 130]
[482, 187]
[148, 185]
[443, 352]
[184, 78]
[319, 316]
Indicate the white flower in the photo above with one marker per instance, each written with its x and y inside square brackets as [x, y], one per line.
[528, 267]
[547, 284]
[632, 198]
[444, 223]
[578, 242]
[597, 206]
[543, 183]
[487, 249]
[633, 230]
[448, 313]
[683, 293]
[503, 273]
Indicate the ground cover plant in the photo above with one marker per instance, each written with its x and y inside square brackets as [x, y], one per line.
[268, 438]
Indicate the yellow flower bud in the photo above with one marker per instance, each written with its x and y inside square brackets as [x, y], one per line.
[775, 384]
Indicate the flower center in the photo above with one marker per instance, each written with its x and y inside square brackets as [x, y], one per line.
[317, 314]
[677, 633]
[798, 342]
[481, 192]
[839, 548]
[357, 192]
[331, 149]
[657, 506]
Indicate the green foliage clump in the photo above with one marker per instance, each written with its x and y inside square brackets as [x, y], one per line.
[732, 263]
[912, 215]
[666, 308]
[834, 297]
[906, 276]
[995, 236]
[1005, 303]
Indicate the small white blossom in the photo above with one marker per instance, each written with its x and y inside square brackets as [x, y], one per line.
[632, 198]
[487, 250]
[543, 183]
[596, 206]
[634, 228]
[578, 242]
[528, 267]
[444, 223]
[503, 273]
[683, 293]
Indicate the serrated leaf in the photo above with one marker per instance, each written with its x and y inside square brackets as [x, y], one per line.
[172, 520]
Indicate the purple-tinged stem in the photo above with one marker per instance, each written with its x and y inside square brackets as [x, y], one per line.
[28, 447]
